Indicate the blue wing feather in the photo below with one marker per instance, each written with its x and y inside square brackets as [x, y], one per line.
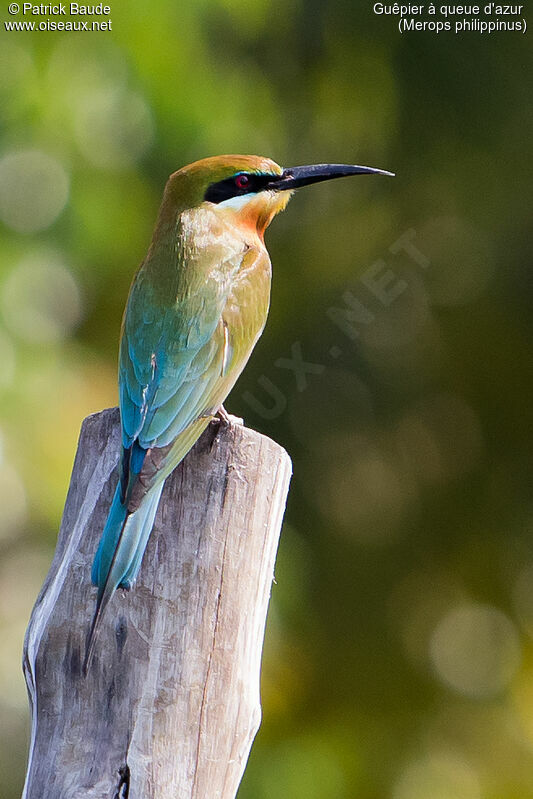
[171, 365]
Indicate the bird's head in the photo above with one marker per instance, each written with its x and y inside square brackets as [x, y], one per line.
[249, 188]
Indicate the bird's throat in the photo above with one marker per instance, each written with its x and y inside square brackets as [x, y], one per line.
[255, 211]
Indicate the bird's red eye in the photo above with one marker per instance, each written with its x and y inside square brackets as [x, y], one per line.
[242, 181]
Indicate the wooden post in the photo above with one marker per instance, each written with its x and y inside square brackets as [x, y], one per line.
[171, 705]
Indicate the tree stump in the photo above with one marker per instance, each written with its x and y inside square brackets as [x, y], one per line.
[171, 704]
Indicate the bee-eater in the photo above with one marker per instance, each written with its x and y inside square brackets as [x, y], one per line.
[195, 311]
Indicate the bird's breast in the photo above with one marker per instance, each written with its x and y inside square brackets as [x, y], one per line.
[247, 305]
[220, 275]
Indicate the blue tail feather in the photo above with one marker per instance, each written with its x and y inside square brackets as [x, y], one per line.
[109, 540]
[144, 528]
[120, 553]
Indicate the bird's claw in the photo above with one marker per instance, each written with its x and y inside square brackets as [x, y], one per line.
[223, 416]
[225, 419]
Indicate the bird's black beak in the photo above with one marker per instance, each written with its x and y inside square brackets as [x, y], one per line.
[295, 176]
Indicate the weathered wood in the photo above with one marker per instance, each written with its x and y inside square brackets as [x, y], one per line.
[171, 704]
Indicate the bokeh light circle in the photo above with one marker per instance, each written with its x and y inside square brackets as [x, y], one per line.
[475, 650]
[438, 776]
[41, 300]
[114, 127]
[34, 189]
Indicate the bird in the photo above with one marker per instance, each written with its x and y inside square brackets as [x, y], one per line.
[195, 310]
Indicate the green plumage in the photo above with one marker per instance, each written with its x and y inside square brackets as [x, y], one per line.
[195, 310]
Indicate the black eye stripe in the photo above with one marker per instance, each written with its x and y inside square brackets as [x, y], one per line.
[226, 189]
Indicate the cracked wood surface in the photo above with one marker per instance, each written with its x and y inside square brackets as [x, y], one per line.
[171, 704]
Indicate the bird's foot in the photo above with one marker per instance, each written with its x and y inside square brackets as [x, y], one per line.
[223, 416]
[225, 419]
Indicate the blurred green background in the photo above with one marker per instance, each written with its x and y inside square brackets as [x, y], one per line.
[399, 653]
